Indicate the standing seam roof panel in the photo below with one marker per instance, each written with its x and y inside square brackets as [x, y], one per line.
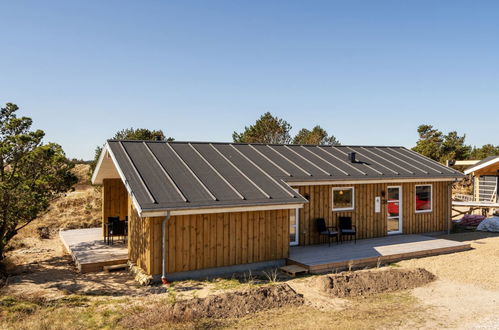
[341, 162]
[211, 180]
[430, 169]
[133, 182]
[445, 169]
[238, 181]
[158, 184]
[367, 166]
[385, 168]
[397, 166]
[259, 178]
[422, 161]
[281, 161]
[300, 162]
[259, 160]
[417, 169]
[184, 180]
[361, 166]
[317, 159]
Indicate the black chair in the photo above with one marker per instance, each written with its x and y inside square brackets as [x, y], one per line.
[325, 231]
[116, 227]
[346, 228]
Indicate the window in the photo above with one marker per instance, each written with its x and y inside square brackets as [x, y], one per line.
[423, 198]
[343, 199]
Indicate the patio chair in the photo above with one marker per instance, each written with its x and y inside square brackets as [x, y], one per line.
[108, 228]
[326, 231]
[115, 227]
[347, 228]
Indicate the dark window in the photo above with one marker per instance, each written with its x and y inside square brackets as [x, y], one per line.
[423, 198]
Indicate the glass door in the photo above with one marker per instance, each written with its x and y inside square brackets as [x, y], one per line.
[394, 210]
[294, 220]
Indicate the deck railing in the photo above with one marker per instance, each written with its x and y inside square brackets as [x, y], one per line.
[463, 197]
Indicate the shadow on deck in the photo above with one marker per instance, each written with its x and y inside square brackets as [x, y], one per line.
[370, 252]
[89, 251]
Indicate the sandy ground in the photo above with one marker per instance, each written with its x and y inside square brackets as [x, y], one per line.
[45, 270]
[315, 297]
[465, 294]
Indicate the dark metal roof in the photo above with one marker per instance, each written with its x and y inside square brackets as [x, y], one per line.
[485, 160]
[184, 175]
[481, 164]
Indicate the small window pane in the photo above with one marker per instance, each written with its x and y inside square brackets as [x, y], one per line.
[393, 224]
[393, 202]
[292, 227]
[343, 198]
[423, 198]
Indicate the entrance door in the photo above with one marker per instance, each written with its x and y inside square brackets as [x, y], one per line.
[294, 221]
[394, 210]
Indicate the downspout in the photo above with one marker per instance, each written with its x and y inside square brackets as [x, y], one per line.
[163, 248]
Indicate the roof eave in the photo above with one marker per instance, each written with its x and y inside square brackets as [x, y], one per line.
[220, 209]
[373, 180]
[480, 166]
[99, 163]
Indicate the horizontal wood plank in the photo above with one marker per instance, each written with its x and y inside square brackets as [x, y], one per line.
[371, 251]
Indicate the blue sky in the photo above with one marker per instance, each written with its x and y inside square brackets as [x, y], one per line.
[369, 72]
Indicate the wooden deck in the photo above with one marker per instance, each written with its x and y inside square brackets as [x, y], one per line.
[370, 252]
[89, 251]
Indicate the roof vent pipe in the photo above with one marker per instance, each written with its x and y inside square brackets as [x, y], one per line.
[351, 157]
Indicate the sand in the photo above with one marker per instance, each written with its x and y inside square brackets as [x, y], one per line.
[466, 293]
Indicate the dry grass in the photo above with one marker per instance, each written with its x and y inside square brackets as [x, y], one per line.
[70, 312]
[463, 187]
[80, 208]
[76, 312]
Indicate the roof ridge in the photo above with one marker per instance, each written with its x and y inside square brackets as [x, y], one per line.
[258, 143]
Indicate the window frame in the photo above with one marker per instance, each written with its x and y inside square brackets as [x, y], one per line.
[343, 208]
[416, 198]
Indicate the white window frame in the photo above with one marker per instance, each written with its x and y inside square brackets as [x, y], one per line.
[431, 198]
[401, 209]
[343, 208]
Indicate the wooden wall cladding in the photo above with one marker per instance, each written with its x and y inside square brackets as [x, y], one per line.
[210, 240]
[370, 224]
[114, 199]
[223, 239]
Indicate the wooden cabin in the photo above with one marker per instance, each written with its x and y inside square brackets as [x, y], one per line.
[207, 208]
[485, 179]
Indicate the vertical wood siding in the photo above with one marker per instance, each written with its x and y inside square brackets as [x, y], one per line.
[114, 199]
[139, 239]
[224, 239]
[370, 224]
[209, 240]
